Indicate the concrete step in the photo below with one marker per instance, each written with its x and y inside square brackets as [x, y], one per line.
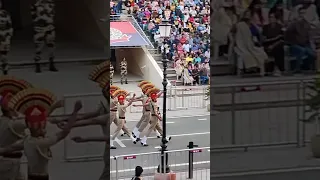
[153, 51]
[221, 67]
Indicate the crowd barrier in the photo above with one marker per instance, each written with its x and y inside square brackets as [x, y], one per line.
[180, 162]
[177, 99]
[260, 114]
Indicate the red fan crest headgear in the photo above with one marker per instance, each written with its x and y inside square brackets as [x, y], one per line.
[9, 86]
[143, 83]
[146, 87]
[153, 93]
[113, 89]
[34, 104]
[120, 94]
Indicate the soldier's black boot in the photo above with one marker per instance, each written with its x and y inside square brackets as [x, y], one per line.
[126, 81]
[52, 67]
[38, 68]
[121, 82]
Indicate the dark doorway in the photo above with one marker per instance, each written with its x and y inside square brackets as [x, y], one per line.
[13, 7]
[113, 58]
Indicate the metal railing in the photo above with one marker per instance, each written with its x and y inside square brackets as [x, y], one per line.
[178, 98]
[260, 114]
[122, 166]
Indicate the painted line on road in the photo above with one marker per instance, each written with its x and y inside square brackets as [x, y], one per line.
[170, 122]
[203, 119]
[177, 117]
[155, 167]
[175, 135]
[262, 172]
[119, 142]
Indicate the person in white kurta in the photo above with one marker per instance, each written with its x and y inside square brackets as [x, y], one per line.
[251, 55]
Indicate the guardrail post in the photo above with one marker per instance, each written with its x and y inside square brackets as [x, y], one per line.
[203, 99]
[233, 115]
[65, 143]
[115, 158]
[191, 146]
[298, 114]
[182, 101]
[175, 98]
[303, 114]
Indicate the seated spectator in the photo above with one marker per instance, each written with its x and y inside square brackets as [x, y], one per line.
[252, 55]
[179, 66]
[274, 45]
[187, 76]
[298, 37]
[203, 73]
[195, 74]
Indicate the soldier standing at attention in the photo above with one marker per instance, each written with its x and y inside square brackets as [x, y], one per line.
[35, 104]
[111, 73]
[124, 70]
[43, 13]
[6, 32]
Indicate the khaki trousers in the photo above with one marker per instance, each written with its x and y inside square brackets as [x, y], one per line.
[145, 119]
[153, 124]
[114, 119]
[120, 125]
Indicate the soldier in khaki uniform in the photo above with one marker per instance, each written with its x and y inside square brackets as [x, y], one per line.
[111, 73]
[36, 105]
[146, 113]
[122, 109]
[10, 130]
[124, 71]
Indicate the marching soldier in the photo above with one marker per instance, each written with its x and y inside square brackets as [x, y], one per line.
[146, 114]
[124, 70]
[35, 104]
[6, 32]
[153, 93]
[111, 73]
[43, 13]
[122, 109]
[10, 130]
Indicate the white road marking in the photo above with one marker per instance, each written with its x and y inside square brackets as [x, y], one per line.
[203, 119]
[170, 122]
[176, 135]
[157, 147]
[120, 143]
[155, 167]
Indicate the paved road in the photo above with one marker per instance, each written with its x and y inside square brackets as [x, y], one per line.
[182, 130]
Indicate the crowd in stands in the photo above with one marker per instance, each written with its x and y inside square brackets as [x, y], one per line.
[188, 47]
[268, 37]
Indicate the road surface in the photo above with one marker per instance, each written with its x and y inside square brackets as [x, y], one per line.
[182, 130]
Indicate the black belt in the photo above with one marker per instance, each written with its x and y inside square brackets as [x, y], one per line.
[113, 110]
[122, 118]
[153, 115]
[15, 155]
[38, 177]
[147, 110]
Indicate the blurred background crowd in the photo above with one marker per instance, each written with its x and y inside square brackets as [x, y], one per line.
[188, 47]
[267, 37]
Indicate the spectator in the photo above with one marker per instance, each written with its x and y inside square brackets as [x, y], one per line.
[195, 74]
[298, 36]
[274, 44]
[204, 75]
[138, 173]
[249, 51]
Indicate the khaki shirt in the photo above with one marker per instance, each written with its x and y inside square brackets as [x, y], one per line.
[122, 109]
[38, 153]
[144, 101]
[153, 107]
[11, 131]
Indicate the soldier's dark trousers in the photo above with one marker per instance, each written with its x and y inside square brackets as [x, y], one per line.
[42, 38]
[37, 177]
[4, 62]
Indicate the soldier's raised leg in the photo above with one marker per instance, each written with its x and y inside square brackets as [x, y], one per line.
[51, 44]
[126, 75]
[39, 37]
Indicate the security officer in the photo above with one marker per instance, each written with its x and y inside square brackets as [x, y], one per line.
[124, 70]
[6, 32]
[43, 13]
[111, 73]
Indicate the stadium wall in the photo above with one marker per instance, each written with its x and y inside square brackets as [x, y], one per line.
[141, 63]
